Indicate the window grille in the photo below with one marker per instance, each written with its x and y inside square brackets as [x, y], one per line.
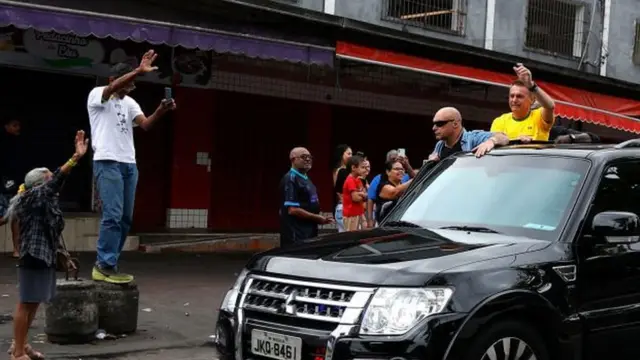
[439, 15]
[557, 27]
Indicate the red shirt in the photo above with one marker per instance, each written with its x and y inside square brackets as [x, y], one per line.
[349, 208]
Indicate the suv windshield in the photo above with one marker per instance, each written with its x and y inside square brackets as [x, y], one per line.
[519, 195]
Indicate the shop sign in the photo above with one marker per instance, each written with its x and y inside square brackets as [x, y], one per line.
[63, 50]
[93, 56]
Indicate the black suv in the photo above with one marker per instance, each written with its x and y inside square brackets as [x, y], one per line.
[530, 252]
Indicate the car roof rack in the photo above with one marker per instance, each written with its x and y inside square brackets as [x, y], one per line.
[633, 143]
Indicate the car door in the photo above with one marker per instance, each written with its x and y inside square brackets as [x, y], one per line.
[608, 275]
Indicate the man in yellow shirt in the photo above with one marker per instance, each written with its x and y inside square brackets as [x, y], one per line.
[524, 123]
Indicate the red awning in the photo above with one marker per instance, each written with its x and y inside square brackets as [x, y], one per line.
[574, 104]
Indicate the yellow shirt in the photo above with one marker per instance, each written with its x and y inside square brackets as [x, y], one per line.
[533, 125]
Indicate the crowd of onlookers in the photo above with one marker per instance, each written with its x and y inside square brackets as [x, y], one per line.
[360, 203]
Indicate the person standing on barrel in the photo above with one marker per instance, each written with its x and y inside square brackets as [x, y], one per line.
[113, 114]
[41, 223]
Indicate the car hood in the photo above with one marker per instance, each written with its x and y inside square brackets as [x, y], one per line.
[390, 256]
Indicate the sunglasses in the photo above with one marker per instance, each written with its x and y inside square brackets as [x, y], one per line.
[305, 157]
[441, 123]
[398, 169]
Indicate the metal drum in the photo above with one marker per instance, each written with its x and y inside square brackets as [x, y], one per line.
[72, 315]
[118, 307]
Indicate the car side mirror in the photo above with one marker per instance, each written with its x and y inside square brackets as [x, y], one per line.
[617, 227]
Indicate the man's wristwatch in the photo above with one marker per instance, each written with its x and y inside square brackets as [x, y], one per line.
[573, 138]
[533, 87]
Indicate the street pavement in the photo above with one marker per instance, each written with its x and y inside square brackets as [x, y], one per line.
[179, 295]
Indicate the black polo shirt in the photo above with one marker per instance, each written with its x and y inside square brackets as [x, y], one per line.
[297, 191]
[446, 151]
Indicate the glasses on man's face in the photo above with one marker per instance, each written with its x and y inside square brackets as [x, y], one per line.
[397, 169]
[441, 123]
[305, 157]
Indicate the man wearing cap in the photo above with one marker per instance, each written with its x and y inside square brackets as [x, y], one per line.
[113, 114]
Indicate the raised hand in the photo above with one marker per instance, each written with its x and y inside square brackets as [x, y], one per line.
[146, 63]
[81, 143]
[524, 74]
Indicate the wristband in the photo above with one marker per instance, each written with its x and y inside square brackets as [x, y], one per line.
[71, 163]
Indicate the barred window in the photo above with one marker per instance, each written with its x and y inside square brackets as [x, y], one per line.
[442, 15]
[636, 46]
[556, 26]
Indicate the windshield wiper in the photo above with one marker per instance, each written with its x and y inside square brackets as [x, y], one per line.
[479, 229]
[402, 223]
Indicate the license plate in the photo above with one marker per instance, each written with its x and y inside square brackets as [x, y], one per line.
[275, 346]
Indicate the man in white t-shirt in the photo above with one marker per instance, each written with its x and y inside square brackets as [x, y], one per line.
[113, 114]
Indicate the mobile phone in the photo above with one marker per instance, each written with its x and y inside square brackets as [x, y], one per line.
[402, 152]
[167, 93]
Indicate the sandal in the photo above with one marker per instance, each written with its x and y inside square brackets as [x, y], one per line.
[23, 357]
[33, 354]
[29, 352]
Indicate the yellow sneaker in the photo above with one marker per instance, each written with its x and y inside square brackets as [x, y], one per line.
[110, 276]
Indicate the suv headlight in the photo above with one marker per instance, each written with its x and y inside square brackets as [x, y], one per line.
[394, 311]
[229, 302]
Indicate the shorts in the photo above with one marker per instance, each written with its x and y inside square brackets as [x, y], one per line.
[353, 223]
[36, 285]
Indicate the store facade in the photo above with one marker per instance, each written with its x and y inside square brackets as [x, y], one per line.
[244, 101]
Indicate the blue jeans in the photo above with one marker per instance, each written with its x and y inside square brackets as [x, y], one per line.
[116, 184]
[339, 218]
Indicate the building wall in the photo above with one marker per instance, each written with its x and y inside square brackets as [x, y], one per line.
[625, 14]
[505, 31]
[372, 11]
[499, 25]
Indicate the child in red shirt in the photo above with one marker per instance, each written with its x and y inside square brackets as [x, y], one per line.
[354, 195]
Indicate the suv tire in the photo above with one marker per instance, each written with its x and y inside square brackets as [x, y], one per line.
[512, 340]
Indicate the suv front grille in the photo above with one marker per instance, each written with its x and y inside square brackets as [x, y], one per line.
[314, 301]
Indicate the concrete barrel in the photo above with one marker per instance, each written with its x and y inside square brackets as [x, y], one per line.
[118, 307]
[72, 315]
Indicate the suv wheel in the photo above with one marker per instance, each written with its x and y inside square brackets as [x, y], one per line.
[507, 340]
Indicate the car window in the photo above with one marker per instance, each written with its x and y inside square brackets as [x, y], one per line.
[519, 195]
[619, 190]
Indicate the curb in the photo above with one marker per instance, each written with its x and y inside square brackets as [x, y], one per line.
[245, 244]
[109, 352]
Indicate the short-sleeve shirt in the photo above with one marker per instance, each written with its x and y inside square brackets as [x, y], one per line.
[297, 191]
[112, 126]
[533, 125]
[349, 208]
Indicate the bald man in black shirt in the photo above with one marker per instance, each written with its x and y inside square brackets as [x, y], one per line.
[299, 206]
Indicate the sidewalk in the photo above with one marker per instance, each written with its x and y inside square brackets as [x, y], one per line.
[179, 293]
[213, 243]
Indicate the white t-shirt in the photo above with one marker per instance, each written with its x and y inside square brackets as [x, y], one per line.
[112, 126]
